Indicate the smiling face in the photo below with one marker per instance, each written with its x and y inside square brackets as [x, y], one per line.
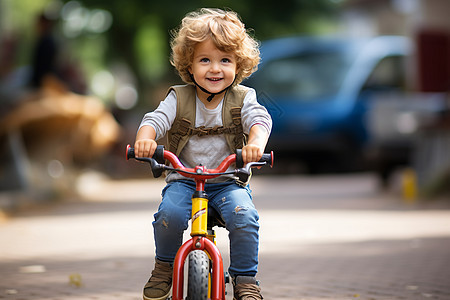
[213, 69]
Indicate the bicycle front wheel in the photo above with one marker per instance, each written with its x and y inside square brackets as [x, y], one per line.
[198, 273]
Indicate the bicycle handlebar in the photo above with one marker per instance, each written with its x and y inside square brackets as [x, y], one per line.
[200, 172]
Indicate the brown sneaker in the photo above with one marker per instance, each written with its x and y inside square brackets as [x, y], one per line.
[246, 288]
[159, 285]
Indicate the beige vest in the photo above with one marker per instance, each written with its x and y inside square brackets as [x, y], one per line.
[184, 125]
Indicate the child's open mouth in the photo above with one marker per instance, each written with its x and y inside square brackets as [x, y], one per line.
[215, 79]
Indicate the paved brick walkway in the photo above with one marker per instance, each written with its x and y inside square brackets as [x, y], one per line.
[343, 240]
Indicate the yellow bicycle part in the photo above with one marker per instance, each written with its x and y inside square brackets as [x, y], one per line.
[199, 216]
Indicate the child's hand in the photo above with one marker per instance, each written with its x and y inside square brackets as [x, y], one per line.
[145, 148]
[251, 153]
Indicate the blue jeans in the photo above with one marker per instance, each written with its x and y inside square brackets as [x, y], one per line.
[235, 205]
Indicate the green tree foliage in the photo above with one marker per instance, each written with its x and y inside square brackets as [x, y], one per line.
[140, 33]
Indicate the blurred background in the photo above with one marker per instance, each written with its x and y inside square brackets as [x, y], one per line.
[352, 85]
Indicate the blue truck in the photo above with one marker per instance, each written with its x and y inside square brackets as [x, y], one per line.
[321, 93]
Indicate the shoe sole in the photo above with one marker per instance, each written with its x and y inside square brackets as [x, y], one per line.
[161, 298]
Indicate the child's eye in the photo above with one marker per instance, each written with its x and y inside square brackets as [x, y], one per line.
[226, 60]
[205, 60]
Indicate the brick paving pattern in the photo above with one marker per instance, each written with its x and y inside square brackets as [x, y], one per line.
[342, 240]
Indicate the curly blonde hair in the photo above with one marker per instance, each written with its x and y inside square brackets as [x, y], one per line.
[227, 32]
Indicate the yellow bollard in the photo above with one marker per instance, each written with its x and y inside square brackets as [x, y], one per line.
[75, 280]
[409, 186]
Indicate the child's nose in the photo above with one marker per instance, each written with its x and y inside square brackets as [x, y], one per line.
[215, 67]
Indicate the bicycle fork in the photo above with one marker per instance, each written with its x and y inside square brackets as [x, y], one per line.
[199, 241]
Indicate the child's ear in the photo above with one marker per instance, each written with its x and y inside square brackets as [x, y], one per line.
[237, 72]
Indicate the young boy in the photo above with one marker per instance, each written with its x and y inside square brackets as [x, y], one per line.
[206, 120]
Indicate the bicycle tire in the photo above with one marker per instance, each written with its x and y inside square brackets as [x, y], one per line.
[198, 273]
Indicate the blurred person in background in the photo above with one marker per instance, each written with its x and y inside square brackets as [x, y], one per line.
[45, 52]
[49, 67]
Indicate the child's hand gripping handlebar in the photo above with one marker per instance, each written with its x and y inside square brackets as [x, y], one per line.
[242, 172]
[156, 162]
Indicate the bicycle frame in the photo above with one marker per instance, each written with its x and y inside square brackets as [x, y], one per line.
[200, 240]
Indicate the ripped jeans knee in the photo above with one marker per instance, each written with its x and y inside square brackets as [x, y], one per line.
[243, 217]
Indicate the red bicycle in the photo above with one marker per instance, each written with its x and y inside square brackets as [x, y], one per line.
[205, 273]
